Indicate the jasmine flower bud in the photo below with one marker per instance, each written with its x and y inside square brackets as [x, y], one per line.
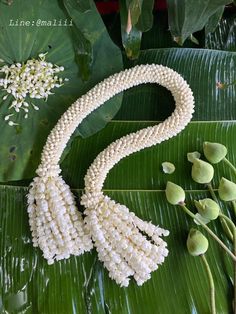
[197, 243]
[227, 190]
[214, 152]
[207, 208]
[202, 171]
[174, 193]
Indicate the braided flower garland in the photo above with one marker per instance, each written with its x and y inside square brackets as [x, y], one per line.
[127, 245]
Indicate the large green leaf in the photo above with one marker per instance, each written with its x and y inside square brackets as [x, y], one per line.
[159, 35]
[202, 69]
[131, 36]
[21, 146]
[135, 17]
[145, 20]
[80, 285]
[150, 176]
[143, 188]
[189, 16]
[224, 37]
[214, 20]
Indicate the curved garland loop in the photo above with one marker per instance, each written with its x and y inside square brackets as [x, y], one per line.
[119, 236]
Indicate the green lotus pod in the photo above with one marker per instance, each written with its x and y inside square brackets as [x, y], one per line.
[214, 152]
[227, 190]
[202, 171]
[197, 243]
[207, 208]
[174, 193]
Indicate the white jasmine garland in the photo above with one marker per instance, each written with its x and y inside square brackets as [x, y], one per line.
[127, 245]
[34, 79]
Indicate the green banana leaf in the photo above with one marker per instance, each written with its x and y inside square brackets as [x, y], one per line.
[159, 35]
[224, 37]
[135, 17]
[83, 152]
[214, 20]
[19, 43]
[188, 17]
[131, 36]
[202, 69]
[81, 285]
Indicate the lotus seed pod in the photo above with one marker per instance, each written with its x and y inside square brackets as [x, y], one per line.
[174, 193]
[214, 152]
[197, 243]
[227, 190]
[207, 208]
[202, 171]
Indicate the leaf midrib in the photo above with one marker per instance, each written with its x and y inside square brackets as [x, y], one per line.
[159, 121]
[24, 187]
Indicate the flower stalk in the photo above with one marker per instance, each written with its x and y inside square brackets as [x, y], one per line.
[211, 284]
[234, 207]
[212, 234]
[232, 167]
[222, 219]
[233, 228]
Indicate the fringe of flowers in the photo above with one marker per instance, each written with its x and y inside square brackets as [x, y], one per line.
[56, 224]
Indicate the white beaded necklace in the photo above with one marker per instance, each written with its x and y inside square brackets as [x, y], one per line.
[118, 235]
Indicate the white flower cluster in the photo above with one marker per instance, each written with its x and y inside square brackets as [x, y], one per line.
[56, 224]
[120, 241]
[126, 245]
[34, 79]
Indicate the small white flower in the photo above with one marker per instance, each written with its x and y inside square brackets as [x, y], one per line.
[11, 123]
[32, 79]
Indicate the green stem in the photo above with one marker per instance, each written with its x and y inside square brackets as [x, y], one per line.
[214, 236]
[222, 220]
[211, 283]
[233, 228]
[229, 221]
[212, 192]
[230, 165]
[234, 207]
[234, 272]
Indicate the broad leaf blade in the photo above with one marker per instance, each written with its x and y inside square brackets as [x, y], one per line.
[81, 285]
[214, 20]
[145, 21]
[202, 69]
[83, 53]
[144, 168]
[131, 36]
[135, 17]
[18, 43]
[224, 37]
[188, 17]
